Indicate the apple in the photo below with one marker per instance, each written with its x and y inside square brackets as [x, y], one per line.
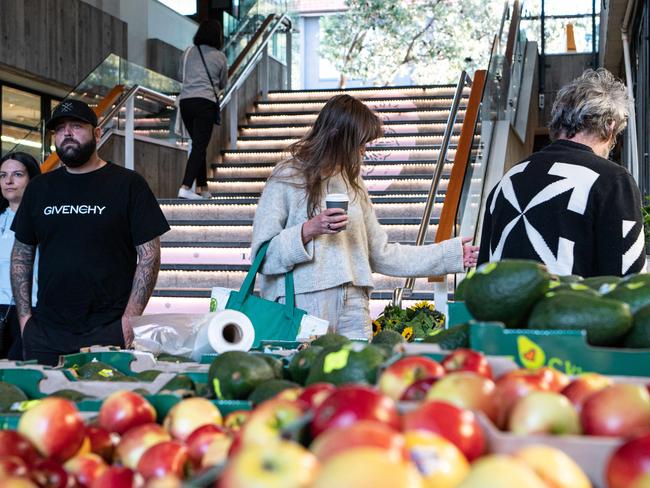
[85, 468]
[583, 386]
[118, 477]
[458, 425]
[102, 442]
[55, 427]
[499, 471]
[468, 390]
[508, 390]
[315, 393]
[217, 451]
[617, 410]
[48, 473]
[544, 412]
[367, 466]
[268, 420]
[368, 433]
[352, 403]
[17, 482]
[280, 464]
[553, 466]
[123, 410]
[397, 377]
[629, 463]
[642, 482]
[199, 440]
[168, 481]
[136, 441]
[545, 379]
[189, 414]
[440, 462]
[12, 443]
[163, 459]
[467, 360]
[417, 391]
[234, 420]
[12, 466]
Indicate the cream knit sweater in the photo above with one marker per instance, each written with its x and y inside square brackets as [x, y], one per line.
[330, 260]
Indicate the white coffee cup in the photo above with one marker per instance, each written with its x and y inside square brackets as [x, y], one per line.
[337, 200]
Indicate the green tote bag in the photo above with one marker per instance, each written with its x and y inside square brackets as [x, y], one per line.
[272, 321]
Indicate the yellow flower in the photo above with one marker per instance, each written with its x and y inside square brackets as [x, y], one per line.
[407, 333]
[376, 327]
[422, 306]
[392, 323]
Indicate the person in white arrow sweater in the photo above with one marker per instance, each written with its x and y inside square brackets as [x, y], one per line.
[333, 253]
[567, 205]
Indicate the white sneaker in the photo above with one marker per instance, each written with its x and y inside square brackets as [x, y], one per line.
[206, 194]
[188, 194]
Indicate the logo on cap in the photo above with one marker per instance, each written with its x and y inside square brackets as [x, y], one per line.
[66, 107]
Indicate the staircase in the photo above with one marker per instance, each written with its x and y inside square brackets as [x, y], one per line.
[209, 241]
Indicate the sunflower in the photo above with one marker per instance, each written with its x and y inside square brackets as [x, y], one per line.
[423, 305]
[376, 327]
[407, 333]
[392, 323]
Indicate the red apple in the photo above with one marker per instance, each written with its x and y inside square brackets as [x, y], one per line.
[217, 451]
[12, 466]
[55, 427]
[283, 464]
[102, 442]
[48, 473]
[199, 441]
[397, 377]
[629, 462]
[86, 468]
[13, 443]
[467, 360]
[268, 420]
[163, 459]
[352, 403]
[235, 420]
[124, 410]
[583, 386]
[190, 414]
[468, 390]
[618, 410]
[17, 482]
[118, 477]
[544, 412]
[418, 390]
[545, 379]
[455, 424]
[509, 389]
[367, 433]
[136, 441]
[315, 393]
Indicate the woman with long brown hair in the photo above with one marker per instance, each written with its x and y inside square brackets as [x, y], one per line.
[333, 253]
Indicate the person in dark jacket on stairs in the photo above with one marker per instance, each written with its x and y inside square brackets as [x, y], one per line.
[567, 205]
[204, 72]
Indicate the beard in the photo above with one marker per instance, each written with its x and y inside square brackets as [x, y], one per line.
[74, 154]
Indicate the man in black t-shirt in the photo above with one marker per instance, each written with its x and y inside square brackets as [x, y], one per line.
[97, 227]
[567, 205]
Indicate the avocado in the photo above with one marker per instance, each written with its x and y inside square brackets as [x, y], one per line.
[639, 336]
[147, 375]
[301, 363]
[349, 363]
[179, 382]
[99, 371]
[506, 291]
[275, 363]
[637, 278]
[604, 319]
[570, 278]
[459, 294]
[269, 389]
[390, 337]
[575, 288]
[329, 340]
[455, 337]
[172, 358]
[635, 293]
[602, 284]
[10, 394]
[72, 395]
[233, 375]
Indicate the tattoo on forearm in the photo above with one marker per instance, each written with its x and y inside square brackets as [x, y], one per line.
[145, 276]
[22, 269]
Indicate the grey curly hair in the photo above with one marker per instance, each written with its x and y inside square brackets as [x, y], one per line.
[590, 103]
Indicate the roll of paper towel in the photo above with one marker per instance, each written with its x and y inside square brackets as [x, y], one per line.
[230, 330]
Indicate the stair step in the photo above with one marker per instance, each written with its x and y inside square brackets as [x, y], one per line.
[384, 114]
[406, 140]
[405, 127]
[364, 93]
[410, 103]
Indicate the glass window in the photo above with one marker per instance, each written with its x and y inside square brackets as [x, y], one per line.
[29, 141]
[21, 107]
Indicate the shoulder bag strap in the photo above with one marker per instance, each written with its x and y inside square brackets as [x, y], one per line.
[207, 71]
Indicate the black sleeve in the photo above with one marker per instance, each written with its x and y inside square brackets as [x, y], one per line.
[23, 224]
[146, 217]
[620, 240]
[486, 232]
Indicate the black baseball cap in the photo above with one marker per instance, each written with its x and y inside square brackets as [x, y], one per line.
[72, 109]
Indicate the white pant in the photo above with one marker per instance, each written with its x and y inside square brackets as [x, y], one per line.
[346, 307]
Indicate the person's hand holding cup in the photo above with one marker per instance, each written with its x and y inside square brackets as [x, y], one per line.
[337, 200]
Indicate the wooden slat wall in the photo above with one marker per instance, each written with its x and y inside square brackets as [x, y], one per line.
[163, 58]
[58, 40]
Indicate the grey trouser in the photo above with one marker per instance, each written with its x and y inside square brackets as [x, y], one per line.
[346, 307]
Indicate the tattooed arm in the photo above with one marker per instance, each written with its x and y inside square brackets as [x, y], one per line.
[144, 280]
[22, 269]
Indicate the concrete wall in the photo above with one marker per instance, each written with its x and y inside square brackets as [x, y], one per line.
[163, 58]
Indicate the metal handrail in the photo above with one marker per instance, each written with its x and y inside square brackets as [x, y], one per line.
[464, 80]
